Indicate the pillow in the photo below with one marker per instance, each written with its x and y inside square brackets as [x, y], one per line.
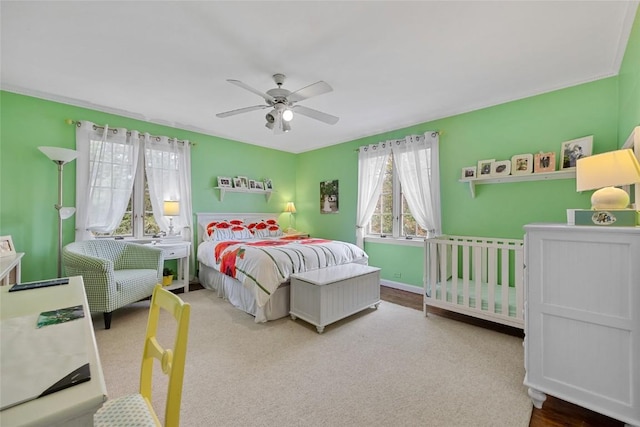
[226, 230]
[265, 228]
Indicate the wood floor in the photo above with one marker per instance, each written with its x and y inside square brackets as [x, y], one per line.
[555, 412]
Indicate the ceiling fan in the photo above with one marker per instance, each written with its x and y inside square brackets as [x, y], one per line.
[283, 103]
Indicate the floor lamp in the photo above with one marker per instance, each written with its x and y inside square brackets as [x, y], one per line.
[60, 157]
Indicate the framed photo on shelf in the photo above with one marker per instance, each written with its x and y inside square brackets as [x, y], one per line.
[252, 184]
[469, 172]
[544, 162]
[521, 164]
[259, 185]
[237, 183]
[501, 168]
[224, 181]
[244, 181]
[268, 185]
[571, 151]
[6, 246]
[484, 168]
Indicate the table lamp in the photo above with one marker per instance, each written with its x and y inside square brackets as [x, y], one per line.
[604, 172]
[171, 208]
[291, 208]
[60, 156]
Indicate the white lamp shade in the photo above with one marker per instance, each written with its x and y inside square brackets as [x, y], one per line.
[59, 154]
[609, 169]
[171, 208]
[66, 213]
[291, 208]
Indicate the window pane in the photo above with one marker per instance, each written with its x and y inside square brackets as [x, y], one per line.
[150, 225]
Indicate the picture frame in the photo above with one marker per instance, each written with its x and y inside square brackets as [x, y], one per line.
[469, 172]
[268, 185]
[252, 184]
[259, 185]
[224, 181]
[571, 151]
[544, 162]
[244, 181]
[329, 197]
[501, 168]
[6, 246]
[484, 168]
[237, 183]
[522, 164]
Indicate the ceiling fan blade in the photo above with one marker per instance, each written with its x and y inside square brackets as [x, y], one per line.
[266, 97]
[241, 110]
[315, 89]
[315, 114]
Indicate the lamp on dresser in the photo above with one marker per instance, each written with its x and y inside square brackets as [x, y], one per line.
[604, 172]
[60, 156]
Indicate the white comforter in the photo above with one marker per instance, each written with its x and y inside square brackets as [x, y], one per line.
[264, 264]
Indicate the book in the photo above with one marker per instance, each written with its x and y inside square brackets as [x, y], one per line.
[60, 315]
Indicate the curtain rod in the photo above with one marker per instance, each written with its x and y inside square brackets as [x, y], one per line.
[437, 132]
[76, 122]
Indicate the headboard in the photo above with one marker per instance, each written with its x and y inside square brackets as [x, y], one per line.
[204, 218]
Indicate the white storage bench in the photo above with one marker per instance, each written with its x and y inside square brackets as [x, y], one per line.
[327, 295]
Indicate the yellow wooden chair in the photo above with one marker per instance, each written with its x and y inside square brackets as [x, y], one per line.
[136, 409]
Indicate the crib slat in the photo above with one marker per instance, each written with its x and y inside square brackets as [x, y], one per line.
[505, 282]
[442, 274]
[465, 275]
[519, 281]
[454, 273]
[477, 275]
[491, 278]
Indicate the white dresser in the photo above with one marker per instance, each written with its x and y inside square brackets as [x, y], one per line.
[582, 317]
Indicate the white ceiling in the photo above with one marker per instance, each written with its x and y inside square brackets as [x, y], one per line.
[391, 64]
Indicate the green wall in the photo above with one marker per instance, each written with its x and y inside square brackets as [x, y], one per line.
[28, 179]
[608, 109]
[630, 84]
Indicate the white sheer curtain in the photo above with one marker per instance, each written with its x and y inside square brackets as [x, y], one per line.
[105, 172]
[371, 162]
[168, 169]
[416, 162]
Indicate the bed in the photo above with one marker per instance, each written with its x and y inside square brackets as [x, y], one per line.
[477, 276]
[247, 260]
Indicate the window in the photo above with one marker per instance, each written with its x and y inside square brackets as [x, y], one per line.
[138, 220]
[399, 188]
[392, 216]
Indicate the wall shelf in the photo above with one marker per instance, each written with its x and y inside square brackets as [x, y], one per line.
[562, 174]
[223, 190]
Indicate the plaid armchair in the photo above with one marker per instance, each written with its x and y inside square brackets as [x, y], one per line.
[115, 273]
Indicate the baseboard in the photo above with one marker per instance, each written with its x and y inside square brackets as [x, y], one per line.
[401, 286]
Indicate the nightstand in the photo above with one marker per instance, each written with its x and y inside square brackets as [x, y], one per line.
[180, 251]
[297, 235]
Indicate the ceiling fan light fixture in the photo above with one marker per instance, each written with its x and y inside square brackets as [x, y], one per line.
[271, 117]
[287, 115]
[286, 127]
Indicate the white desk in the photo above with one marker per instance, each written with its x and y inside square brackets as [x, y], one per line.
[75, 405]
[8, 265]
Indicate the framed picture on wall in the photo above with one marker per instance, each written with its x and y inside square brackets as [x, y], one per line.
[267, 184]
[571, 151]
[544, 162]
[329, 197]
[224, 181]
[244, 181]
[484, 168]
[237, 182]
[469, 172]
[501, 168]
[6, 246]
[521, 164]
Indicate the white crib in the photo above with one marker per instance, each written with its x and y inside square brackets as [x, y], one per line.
[468, 275]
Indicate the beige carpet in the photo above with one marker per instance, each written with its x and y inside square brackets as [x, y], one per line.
[385, 367]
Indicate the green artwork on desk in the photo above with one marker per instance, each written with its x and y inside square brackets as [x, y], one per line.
[61, 315]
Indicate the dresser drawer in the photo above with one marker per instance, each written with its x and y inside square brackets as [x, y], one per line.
[174, 252]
